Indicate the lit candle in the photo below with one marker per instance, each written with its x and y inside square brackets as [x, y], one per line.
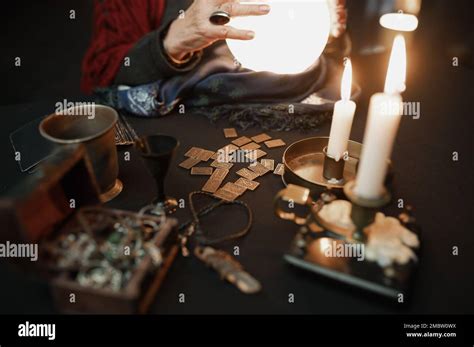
[385, 112]
[343, 117]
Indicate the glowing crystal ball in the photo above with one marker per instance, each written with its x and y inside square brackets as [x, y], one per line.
[288, 40]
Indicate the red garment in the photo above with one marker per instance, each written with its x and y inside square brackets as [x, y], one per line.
[118, 25]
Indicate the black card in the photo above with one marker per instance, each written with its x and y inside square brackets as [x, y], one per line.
[30, 147]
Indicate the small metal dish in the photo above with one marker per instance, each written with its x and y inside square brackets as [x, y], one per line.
[304, 162]
[304, 166]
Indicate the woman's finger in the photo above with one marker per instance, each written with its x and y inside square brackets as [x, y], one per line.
[335, 3]
[228, 32]
[236, 9]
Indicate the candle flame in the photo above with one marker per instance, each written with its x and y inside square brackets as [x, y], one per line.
[346, 84]
[397, 67]
[399, 21]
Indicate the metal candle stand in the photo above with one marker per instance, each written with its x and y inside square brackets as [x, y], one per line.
[333, 170]
[308, 165]
[363, 210]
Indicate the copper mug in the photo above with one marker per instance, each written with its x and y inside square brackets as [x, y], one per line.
[94, 129]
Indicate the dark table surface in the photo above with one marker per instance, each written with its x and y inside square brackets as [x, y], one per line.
[426, 177]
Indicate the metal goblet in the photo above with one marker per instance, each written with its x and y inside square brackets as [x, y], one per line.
[157, 152]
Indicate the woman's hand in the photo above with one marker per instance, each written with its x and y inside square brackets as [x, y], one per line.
[195, 32]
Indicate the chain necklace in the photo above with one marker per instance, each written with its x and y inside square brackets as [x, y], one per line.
[193, 226]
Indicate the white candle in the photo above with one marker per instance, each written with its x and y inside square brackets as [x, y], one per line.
[343, 117]
[385, 112]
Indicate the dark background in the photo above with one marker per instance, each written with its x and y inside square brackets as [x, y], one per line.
[51, 46]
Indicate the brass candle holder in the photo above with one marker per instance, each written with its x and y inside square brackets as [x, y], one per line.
[364, 210]
[332, 239]
[307, 165]
[333, 170]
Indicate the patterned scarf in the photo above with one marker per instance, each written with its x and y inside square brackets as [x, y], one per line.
[217, 88]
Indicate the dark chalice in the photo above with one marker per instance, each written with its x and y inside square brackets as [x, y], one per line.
[157, 151]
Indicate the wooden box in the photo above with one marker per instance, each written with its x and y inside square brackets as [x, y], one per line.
[39, 208]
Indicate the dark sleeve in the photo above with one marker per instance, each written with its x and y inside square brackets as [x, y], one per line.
[149, 62]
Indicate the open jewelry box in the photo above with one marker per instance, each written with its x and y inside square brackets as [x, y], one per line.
[46, 206]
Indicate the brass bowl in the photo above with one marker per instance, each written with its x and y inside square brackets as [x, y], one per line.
[304, 163]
